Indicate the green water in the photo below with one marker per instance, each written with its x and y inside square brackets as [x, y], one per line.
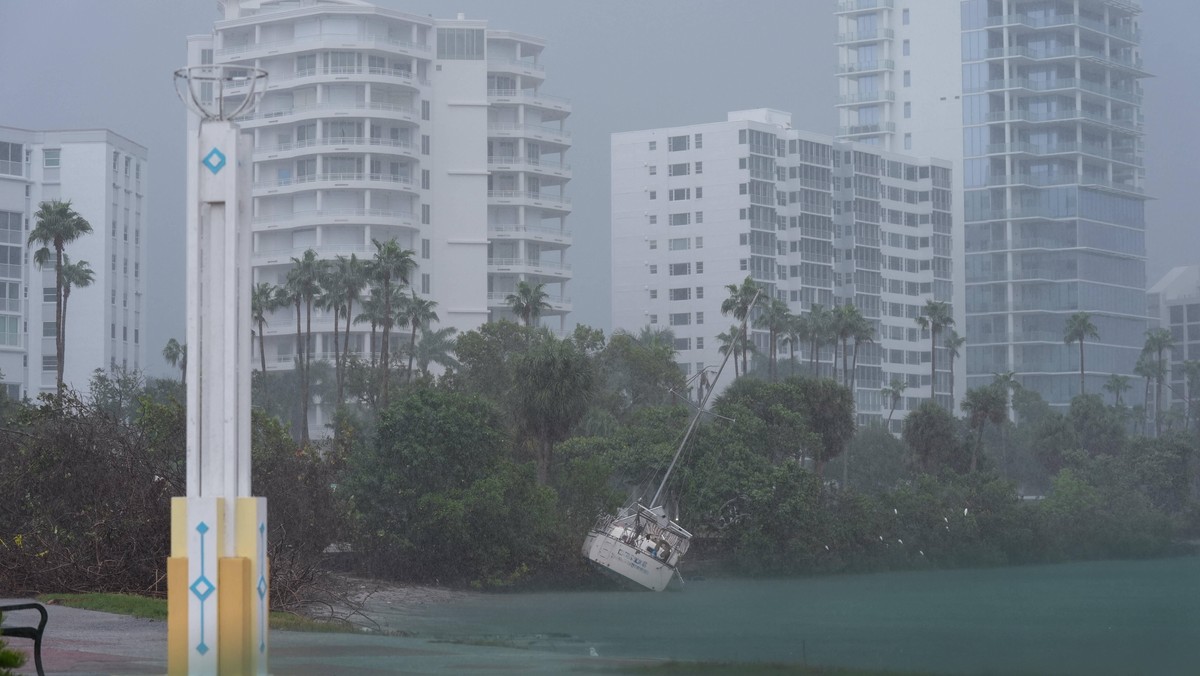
[1112, 617]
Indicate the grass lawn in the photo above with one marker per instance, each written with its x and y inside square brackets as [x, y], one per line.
[156, 609]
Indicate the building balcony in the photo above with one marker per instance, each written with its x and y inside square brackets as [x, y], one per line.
[527, 97]
[299, 219]
[558, 304]
[864, 36]
[867, 129]
[332, 74]
[1061, 84]
[529, 266]
[879, 96]
[860, 67]
[536, 233]
[532, 165]
[284, 256]
[1123, 33]
[335, 180]
[516, 67]
[852, 6]
[1064, 116]
[349, 41]
[538, 132]
[529, 199]
[1063, 179]
[1128, 63]
[363, 144]
[392, 111]
[1091, 149]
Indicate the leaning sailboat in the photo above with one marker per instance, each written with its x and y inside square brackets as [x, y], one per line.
[641, 543]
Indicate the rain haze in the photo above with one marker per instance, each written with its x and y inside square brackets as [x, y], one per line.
[624, 65]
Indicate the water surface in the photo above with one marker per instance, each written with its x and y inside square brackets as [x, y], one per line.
[1112, 617]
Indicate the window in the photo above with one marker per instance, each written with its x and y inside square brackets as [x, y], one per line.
[654, 269]
[653, 219]
[425, 179]
[908, 78]
[49, 329]
[743, 239]
[908, 141]
[679, 244]
[464, 44]
[699, 267]
[678, 194]
[50, 362]
[113, 300]
[652, 169]
[699, 341]
[51, 158]
[682, 344]
[905, 48]
[653, 294]
[114, 262]
[206, 57]
[699, 242]
[907, 109]
[699, 140]
[743, 188]
[424, 110]
[653, 194]
[677, 143]
[136, 336]
[425, 214]
[699, 216]
[679, 318]
[424, 144]
[741, 137]
[699, 317]
[742, 264]
[48, 294]
[699, 293]
[653, 145]
[680, 219]
[425, 248]
[681, 169]
[699, 167]
[653, 319]
[904, 17]
[653, 244]
[699, 192]
[424, 282]
[676, 269]
[684, 293]
[112, 331]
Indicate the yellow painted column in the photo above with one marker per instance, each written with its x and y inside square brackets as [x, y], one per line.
[233, 612]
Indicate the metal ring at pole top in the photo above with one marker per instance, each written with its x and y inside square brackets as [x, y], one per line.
[232, 90]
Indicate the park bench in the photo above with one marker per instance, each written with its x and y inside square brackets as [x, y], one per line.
[32, 633]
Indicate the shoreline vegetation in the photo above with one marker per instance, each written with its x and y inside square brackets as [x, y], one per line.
[487, 476]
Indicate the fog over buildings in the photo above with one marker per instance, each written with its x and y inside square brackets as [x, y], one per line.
[624, 65]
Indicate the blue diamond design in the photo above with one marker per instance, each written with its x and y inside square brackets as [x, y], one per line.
[214, 160]
[262, 587]
[202, 528]
[202, 588]
[202, 648]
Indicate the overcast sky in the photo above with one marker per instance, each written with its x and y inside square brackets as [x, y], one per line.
[625, 64]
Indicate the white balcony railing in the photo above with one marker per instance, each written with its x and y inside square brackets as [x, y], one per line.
[531, 196]
[337, 142]
[335, 215]
[394, 179]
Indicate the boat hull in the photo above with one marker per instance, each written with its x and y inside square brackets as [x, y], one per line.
[626, 561]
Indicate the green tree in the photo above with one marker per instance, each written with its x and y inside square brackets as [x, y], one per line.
[636, 372]
[1099, 429]
[76, 275]
[983, 405]
[175, 354]
[417, 313]
[1116, 385]
[304, 284]
[739, 304]
[1150, 370]
[528, 302]
[263, 300]
[775, 318]
[56, 225]
[391, 267]
[931, 434]
[730, 340]
[794, 335]
[9, 659]
[436, 347]
[863, 332]
[554, 383]
[1008, 383]
[936, 317]
[352, 276]
[1158, 341]
[818, 327]
[953, 344]
[1079, 328]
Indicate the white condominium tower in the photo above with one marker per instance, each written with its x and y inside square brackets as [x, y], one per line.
[811, 219]
[1038, 103]
[378, 124]
[104, 176]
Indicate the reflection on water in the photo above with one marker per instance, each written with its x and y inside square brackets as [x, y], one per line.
[1115, 617]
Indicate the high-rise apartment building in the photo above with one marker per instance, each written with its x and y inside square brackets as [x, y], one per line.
[1038, 104]
[811, 219]
[1174, 304]
[378, 124]
[103, 175]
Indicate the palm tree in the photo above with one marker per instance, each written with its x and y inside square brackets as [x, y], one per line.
[57, 224]
[264, 298]
[937, 317]
[331, 299]
[775, 318]
[729, 341]
[894, 393]
[436, 347]
[1079, 327]
[1117, 384]
[983, 405]
[176, 355]
[1158, 341]
[390, 266]
[417, 313]
[303, 284]
[1148, 369]
[818, 324]
[739, 303]
[1008, 383]
[952, 344]
[351, 275]
[1191, 371]
[794, 334]
[74, 275]
[528, 302]
[863, 332]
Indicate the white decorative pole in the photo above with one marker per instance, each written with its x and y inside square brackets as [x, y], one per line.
[217, 592]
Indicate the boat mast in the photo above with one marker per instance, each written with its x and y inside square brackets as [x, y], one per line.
[700, 410]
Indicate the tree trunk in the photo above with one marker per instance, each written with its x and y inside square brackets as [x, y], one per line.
[304, 395]
[545, 455]
[952, 386]
[302, 418]
[932, 365]
[854, 368]
[745, 347]
[337, 351]
[412, 349]
[771, 363]
[345, 348]
[63, 325]
[384, 351]
[262, 354]
[975, 450]
[59, 342]
[792, 355]
[845, 356]
[1081, 371]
